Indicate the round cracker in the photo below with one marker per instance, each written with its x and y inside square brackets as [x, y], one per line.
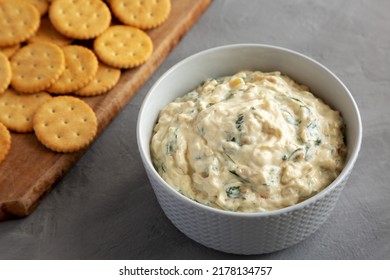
[47, 33]
[5, 72]
[65, 124]
[5, 142]
[123, 46]
[105, 79]
[19, 20]
[145, 14]
[41, 5]
[80, 19]
[17, 110]
[81, 66]
[10, 50]
[36, 67]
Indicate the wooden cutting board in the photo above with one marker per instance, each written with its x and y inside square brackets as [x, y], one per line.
[30, 170]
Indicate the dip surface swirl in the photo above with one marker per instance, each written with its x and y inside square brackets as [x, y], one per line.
[249, 142]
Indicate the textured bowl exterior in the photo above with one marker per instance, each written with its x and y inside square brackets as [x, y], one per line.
[247, 233]
[242, 235]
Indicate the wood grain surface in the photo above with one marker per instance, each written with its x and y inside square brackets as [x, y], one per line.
[31, 170]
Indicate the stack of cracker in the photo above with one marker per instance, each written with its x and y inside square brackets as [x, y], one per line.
[49, 49]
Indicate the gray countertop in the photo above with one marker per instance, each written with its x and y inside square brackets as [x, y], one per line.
[104, 208]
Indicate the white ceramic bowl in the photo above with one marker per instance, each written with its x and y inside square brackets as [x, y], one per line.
[247, 233]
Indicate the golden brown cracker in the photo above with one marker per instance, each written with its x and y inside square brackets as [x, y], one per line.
[105, 79]
[5, 72]
[123, 46]
[41, 5]
[5, 142]
[10, 50]
[81, 66]
[144, 14]
[36, 67]
[17, 110]
[47, 33]
[80, 19]
[65, 124]
[19, 20]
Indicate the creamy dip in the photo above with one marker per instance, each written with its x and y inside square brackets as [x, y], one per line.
[250, 142]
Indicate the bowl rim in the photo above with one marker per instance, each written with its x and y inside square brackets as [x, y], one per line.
[346, 170]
